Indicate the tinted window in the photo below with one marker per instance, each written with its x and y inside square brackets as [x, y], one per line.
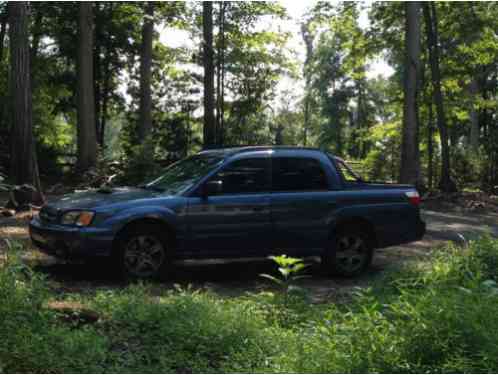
[298, 174]
[245, 176]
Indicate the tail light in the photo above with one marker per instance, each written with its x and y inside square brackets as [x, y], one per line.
[413, 197]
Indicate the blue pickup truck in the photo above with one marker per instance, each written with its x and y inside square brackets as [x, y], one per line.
[234, 203]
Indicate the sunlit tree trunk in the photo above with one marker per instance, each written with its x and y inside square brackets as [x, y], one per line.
[209, 119]
[410, 157]
[145, 117]
[87, 139]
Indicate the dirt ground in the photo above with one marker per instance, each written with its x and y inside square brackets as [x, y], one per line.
[445, 222]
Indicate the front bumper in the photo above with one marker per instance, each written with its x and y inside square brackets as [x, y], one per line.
[70, 242]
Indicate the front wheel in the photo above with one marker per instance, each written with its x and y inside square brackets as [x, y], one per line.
[143, 254]
[349, 254]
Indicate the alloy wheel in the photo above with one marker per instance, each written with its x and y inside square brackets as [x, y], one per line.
[143, 256]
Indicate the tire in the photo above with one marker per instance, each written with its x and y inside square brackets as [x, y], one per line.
[349, 253]
[143, 253]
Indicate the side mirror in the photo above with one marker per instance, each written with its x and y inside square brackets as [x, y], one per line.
[213, 187]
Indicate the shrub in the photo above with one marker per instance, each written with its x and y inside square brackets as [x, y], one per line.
[437, 316]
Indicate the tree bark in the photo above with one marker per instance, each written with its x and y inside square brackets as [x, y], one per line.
[220, 71]
[209, 120]
[87, 139]
[97, 76]
[410, 156]
[445, 184]
[3, 31]
[430, 148]
[308, 41]
[145, 116]
[23, 156]
[474, 115]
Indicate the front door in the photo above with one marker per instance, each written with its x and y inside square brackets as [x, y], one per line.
[237, 219]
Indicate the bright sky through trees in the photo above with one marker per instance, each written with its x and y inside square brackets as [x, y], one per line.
[174, 37]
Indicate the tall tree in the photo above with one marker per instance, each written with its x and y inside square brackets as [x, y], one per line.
[430, 15]
[3, 31]
[23, 155]
[145, 117]
[410, 155]
[87, 139]
[308, 41]
[220, 75]
[209, 119]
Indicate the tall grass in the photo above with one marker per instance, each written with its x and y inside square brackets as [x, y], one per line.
[437, 316]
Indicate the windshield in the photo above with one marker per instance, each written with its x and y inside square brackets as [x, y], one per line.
[181, 175]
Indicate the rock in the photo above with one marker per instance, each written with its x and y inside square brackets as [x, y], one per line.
[24, 195]
[7, 213]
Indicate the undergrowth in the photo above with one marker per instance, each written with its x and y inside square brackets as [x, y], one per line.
[436, 316]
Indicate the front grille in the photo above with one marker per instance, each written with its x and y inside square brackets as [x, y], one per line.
[49, 214]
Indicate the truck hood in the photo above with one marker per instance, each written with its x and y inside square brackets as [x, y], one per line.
[100, 197]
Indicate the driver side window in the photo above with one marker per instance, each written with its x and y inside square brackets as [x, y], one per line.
[245, 176]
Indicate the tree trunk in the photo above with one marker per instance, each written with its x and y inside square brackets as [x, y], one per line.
[220, 74]
[105, 101]
[222, 92]
[410, 157]
[308, 41]
[23, 157]
[474, 115]
[87, 139]
[3, 31]
[145, 117]
[209, 120]
[445, 184]
[430, 148]
[97, 76]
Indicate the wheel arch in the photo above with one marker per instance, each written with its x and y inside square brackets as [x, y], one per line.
[363, 223]
[164, 228]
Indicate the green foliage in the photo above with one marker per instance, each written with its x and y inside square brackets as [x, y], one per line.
[289, 269]
[139, 164]
[440, 315]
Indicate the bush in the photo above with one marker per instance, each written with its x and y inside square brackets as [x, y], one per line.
[440, 319]
[32, 338]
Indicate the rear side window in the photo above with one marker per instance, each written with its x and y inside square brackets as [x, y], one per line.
[298, 174]
[245, 176]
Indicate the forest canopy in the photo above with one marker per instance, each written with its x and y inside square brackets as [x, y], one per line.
[96, 88]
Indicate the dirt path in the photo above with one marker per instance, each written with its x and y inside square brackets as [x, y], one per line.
[236, 277]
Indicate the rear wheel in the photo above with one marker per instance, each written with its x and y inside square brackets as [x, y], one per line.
[143, 253]
[349, 254]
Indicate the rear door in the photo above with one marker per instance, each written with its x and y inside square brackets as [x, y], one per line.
[301, 204]
[237, 220]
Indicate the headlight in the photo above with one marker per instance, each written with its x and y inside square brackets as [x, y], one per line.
[78, 218]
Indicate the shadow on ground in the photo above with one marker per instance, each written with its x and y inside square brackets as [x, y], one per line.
[237, 277]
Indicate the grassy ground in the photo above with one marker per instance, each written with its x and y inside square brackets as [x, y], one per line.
[437, 315]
